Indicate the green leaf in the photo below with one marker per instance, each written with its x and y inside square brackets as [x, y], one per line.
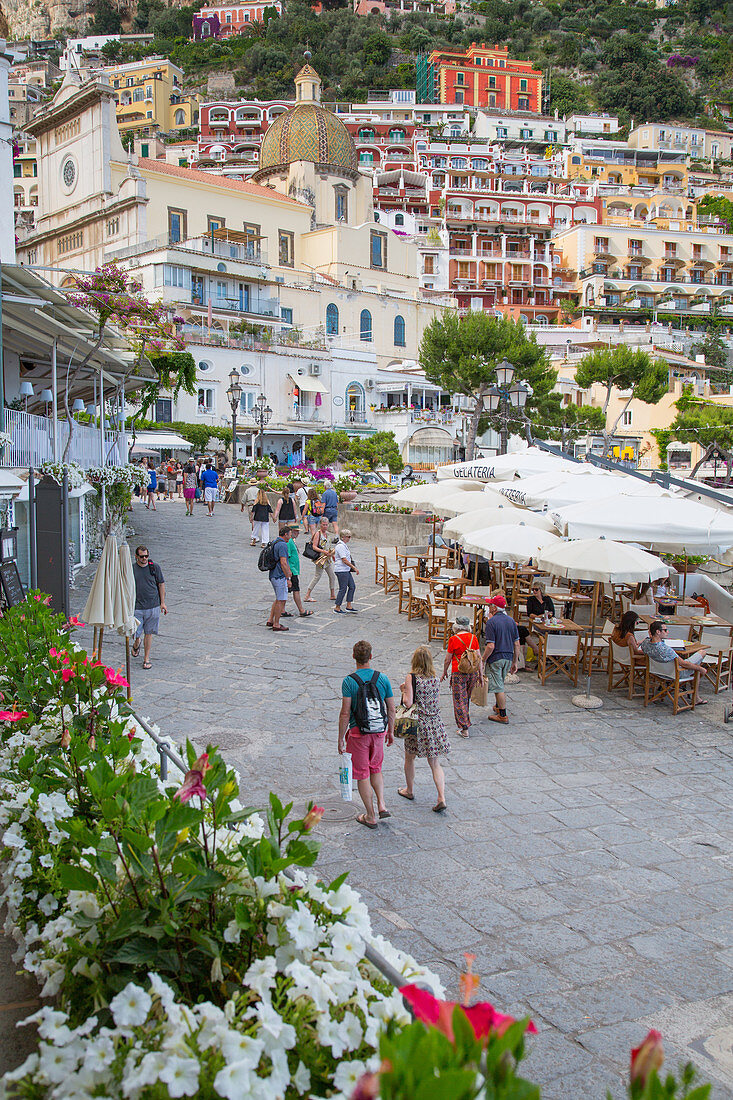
[77, 878]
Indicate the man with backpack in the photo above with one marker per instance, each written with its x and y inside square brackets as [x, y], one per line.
[366, 720]
[274, 560]
[149, 601]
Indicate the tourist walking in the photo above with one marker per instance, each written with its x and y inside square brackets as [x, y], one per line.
[149, 601]
[179, 480]
[501, 653]
[151, 487]
[301, 496]
[249, 496]
[312, 512]
[294, 562]
[280, 579]
[330, 502]
[287, 509]
[261, 512]
[422, 688]
[170, 479]
[325, 543]
[344, 568]
[189, 486]
[209, 481]
[463, 658]
[366, 723]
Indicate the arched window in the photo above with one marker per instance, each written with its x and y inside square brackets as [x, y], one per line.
[365, 157]
[180, 118]
[365, 325]
[332, 320]
[399, 331]
[397, 135]
[399, 219]
[366, 135]
[355, 403]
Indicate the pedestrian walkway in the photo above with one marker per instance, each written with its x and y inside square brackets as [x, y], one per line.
[584, 858]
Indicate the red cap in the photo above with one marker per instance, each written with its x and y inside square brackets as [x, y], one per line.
[497, 601]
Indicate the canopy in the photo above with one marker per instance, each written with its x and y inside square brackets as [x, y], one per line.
[507, 467]
[508, 542]
[425, 496]
[99, 609]
[556, 490]
[486, 517]
[601, 560]
[455, 503]
[124, 619]
[160, 440]
[310, 385]
[664, 523]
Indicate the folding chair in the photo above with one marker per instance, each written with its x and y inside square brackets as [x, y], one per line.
[391, 579]
[624, 671]
[437, 618]
[417, 605]
[718, 660]
[406, 575]
[679, 685]
[642, 608]
[380, 553]
[560, 654]
[594, 659]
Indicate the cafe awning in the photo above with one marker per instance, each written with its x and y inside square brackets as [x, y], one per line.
[310, 385]
[159, 440]
[431, 437]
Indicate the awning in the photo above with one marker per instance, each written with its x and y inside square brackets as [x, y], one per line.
[158, 440]
[431, 437]
[310, 385]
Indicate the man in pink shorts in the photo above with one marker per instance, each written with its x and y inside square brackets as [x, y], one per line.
[365, 721]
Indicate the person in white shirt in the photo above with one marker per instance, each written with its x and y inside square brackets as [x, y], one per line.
[344, 568]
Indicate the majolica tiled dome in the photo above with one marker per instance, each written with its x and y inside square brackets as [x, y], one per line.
[307, 132]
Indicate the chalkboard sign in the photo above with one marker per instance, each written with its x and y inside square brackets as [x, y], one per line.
[11, 583]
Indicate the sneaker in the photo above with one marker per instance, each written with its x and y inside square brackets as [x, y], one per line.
[352, 610]
[338, 611]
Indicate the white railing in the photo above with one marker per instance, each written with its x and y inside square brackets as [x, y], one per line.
[32, 442]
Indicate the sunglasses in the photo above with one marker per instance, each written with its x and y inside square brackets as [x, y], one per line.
[143, 557]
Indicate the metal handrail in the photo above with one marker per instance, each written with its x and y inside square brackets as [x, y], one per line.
[375, 957]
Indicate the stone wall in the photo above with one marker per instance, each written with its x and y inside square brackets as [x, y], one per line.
[386, 528]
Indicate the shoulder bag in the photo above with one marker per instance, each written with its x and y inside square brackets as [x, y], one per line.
[406, 717]
[309, 552]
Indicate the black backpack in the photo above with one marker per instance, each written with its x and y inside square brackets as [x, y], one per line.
[370, 709]
[267, 560]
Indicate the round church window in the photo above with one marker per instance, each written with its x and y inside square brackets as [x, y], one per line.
[68, 173]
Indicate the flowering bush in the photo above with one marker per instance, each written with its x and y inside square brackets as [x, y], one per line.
[75, 476]
[159, 915]
[376, 507]
[264, 463]
[118, 483]
[5, 440]
[346, 483]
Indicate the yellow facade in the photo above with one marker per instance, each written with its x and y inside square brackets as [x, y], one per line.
[150, 97]
[667, 176]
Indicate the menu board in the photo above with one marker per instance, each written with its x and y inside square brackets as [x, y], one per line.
[12, 585]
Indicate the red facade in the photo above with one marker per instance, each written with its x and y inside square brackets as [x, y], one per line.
[486, 76]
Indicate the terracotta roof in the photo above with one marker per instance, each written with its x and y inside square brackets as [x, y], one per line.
[253, 189]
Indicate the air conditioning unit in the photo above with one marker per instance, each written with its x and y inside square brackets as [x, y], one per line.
[314, 369]
[369, 384]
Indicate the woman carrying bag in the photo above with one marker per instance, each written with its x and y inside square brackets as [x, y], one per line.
[464, 660]
[422, 688]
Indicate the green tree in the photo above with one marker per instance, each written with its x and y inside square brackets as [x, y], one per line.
[460, 354]
[717, 206]
[106, 19]
[565, 423]
[714, 350]
[566, 96]
[328, 447]
[707, 424]
[379, 449]
[642, 378]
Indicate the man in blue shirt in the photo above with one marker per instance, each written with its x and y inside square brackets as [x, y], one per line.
[366, 749]
[209, 480]
[655, 647]
[281, 579]
[330, 504]
[501, 653]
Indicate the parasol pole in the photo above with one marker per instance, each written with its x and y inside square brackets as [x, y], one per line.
[94, 641]
[588, 701]
[128, 668]
[434, 525]
[101, 637]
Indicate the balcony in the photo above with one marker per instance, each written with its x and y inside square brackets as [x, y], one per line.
[32, 442]
[262, 307]
[305, 414]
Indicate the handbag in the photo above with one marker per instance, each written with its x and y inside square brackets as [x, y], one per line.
[309, 552]
[406, 717]
[480, 694]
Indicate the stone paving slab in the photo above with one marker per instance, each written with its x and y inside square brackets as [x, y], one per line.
[585, 858]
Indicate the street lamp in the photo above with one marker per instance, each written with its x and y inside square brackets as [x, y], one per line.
[261, 413]
[505, 398]
[234, 393]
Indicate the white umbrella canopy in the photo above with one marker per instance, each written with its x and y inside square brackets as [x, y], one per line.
[663, 523]
[506, 467]
[598, 485]
[601, 559]
[125, 593]
[512, 542]
[486, 517]
[454, 504]
[424, 496]
[99, 609]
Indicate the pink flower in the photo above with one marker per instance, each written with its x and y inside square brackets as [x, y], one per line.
[367, 1087]
[482, 1017]
[67, 674]
[202, 764]
[115, 678]
[648, 1056]
[312, 818]
[75, 621]
[192, 787]
[13, 715]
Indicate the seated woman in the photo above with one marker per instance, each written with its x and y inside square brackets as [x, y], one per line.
[537, 604]
[623, 633]
[661, 598]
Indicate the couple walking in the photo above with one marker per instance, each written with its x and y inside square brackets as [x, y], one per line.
[366, 723]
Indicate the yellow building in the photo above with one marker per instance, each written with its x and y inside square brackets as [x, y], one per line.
[616, 164]
[150, 97]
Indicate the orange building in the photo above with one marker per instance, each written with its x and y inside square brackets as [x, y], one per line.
[483, 76]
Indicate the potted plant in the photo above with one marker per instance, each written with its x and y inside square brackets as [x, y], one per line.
[688, 563]
[346, 486]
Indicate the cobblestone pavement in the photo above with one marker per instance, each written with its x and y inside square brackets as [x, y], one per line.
[584, 858]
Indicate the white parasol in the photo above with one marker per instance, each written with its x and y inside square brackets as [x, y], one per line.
[125, 620]
[513, 542]
[484, 517]
[507, 467]
[99, 610]
[664, 523]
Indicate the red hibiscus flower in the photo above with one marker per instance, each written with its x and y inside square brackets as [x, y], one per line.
[648, 1056]
[13, 715]
[482, 1017]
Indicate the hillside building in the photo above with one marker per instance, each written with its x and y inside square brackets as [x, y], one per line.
[149, 97]
[225, 20]
[482, 76]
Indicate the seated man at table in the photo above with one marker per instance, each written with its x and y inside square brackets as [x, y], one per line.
[537, 604]
[656, 647]
[501, 653]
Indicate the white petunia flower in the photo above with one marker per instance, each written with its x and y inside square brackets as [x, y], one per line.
[237, 1047]
[274, 1032]
[130, 1007]
[181, 1076]
[346, 1076]
[303, 928]
[46, 860]
[302, 1079]
[232, 932]
[261, 977]
[56, 1063]
[347, 946]
[234, 1081]
[84, 901]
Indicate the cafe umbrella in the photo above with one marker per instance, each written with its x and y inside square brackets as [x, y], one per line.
[602, 561]
[99, 610]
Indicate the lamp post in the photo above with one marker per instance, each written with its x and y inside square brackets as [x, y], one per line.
[504, 398]
[234, 393]
[261, 413]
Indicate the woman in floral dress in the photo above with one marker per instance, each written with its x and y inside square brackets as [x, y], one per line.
[422, 686]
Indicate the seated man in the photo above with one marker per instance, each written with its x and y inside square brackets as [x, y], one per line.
[656, 647]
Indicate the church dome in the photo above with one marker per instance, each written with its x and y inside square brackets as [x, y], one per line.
[307, 132]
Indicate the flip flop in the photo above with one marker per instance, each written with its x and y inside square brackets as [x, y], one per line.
[268, 623]
[286, 614]
[304, 614]
[135, 651]
[439, 808]
[383, 814]
[280, 628]
[148, 665]
[404, 794]
[362, 819]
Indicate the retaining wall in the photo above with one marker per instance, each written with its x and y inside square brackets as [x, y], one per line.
[385, 528]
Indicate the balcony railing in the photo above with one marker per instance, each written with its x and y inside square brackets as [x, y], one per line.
[32, 442]
[305, 415]
[264, 307]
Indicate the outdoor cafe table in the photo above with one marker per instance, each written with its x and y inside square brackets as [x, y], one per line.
[697, 623]
[449, 586]
[559, 626]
